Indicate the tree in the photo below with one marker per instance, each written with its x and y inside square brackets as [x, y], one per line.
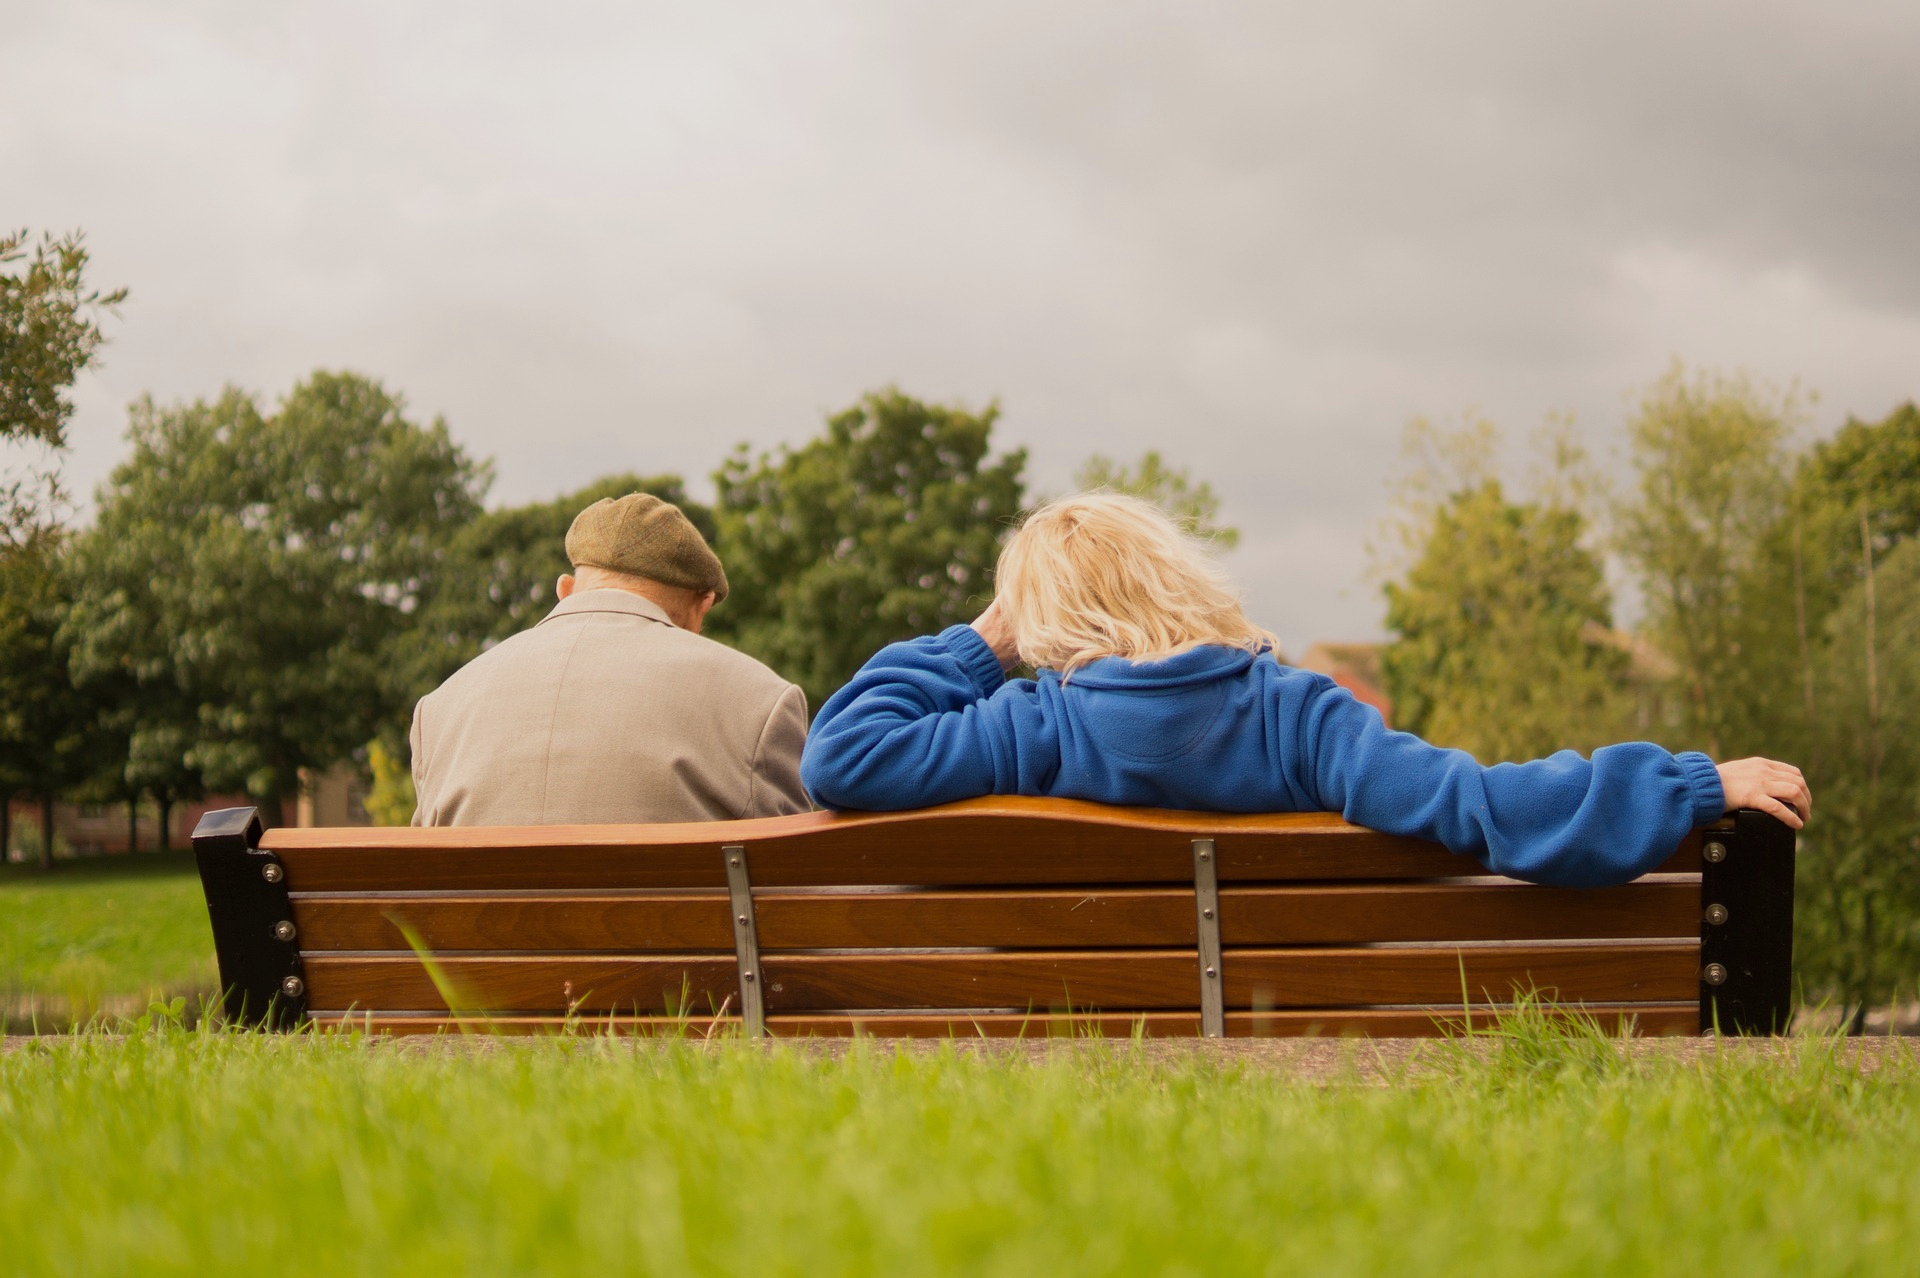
[1866, 475]
[885, 527]
[51, 737]
[49, 332]
[1709, 455]
[254, 573]
[51, 734]
[390, 796]
[153, 728]
[1873, 466]
[1502, 619]
[1839, 692]
[1171, 488]
[1858, 912]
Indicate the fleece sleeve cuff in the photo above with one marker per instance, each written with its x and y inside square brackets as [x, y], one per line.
[975, 657]
[1703, 779]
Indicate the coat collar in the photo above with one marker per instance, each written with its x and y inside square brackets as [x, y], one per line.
[609, 600]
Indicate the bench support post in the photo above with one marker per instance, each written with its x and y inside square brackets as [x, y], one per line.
[746, 941]
[1746, 926]
[252, 916]
[1206, 905]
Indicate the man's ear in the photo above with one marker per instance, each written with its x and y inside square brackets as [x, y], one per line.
[563, 587]
[701, 607]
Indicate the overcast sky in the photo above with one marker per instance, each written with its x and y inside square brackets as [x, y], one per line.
[1258, 237]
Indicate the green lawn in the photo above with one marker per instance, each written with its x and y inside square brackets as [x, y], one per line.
[202, 1152]
[106, 931]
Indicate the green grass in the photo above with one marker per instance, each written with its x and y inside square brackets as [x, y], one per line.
[205, 1152]
[94, 932]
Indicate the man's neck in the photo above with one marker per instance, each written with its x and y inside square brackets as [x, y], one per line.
[671, 600]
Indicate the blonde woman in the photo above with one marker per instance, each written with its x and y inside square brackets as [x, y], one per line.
[1155, 689]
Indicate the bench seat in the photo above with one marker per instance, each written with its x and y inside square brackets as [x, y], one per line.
[996, 916]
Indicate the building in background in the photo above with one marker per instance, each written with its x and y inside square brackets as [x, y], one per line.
[1355, 667]
[334, 797]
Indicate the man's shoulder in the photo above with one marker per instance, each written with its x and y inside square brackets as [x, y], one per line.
[518, 648]
[747, 673]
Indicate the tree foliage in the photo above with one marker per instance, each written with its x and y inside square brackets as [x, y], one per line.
[1502, 617]
[1859, 883]
[253, 573]
[49, 332]
[1709, 454]
[885, 527]
[1863, 483]
[52, 737]
[390, 795]
[1172, 488]
[1832, 614]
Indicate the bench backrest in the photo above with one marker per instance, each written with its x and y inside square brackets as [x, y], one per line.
[992, 916]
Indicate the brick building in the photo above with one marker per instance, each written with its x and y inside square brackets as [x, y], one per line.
[335, 797]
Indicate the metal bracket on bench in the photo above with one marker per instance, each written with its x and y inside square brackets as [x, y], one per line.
[1206, 904]
[746, 941]
[252, 916]
[1746, 926]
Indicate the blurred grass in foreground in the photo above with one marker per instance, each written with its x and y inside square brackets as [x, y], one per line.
[1536, 1151]
[100, 933]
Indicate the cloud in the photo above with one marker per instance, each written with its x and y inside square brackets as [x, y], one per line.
[1257, 237]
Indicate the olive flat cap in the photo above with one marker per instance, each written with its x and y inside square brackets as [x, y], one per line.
[642, 535]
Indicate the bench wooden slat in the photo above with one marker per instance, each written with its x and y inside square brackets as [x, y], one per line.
[1001, 840]
[1647, 1018]
[981, 853]
[646, 983]
[536, 868]
[672, 922]
[1137, 979]
[1440, 974]
[1039, 919]
[1270, 977]
[704, 1025]
[1457, 912]
[959, 821]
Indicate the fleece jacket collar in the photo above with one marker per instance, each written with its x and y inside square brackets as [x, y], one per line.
[1204, 664]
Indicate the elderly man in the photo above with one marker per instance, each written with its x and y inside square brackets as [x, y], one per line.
[614, 709]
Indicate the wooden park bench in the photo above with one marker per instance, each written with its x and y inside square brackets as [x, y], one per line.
[997, 916]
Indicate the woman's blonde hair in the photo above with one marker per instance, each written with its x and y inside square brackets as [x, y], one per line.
[1107, 575]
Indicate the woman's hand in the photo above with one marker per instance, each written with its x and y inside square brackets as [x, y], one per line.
[991, 626]
[1768, 786]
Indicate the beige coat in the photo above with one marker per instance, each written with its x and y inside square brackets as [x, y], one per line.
[607, 712]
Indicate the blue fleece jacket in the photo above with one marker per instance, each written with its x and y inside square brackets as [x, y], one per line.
[1220, 729]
